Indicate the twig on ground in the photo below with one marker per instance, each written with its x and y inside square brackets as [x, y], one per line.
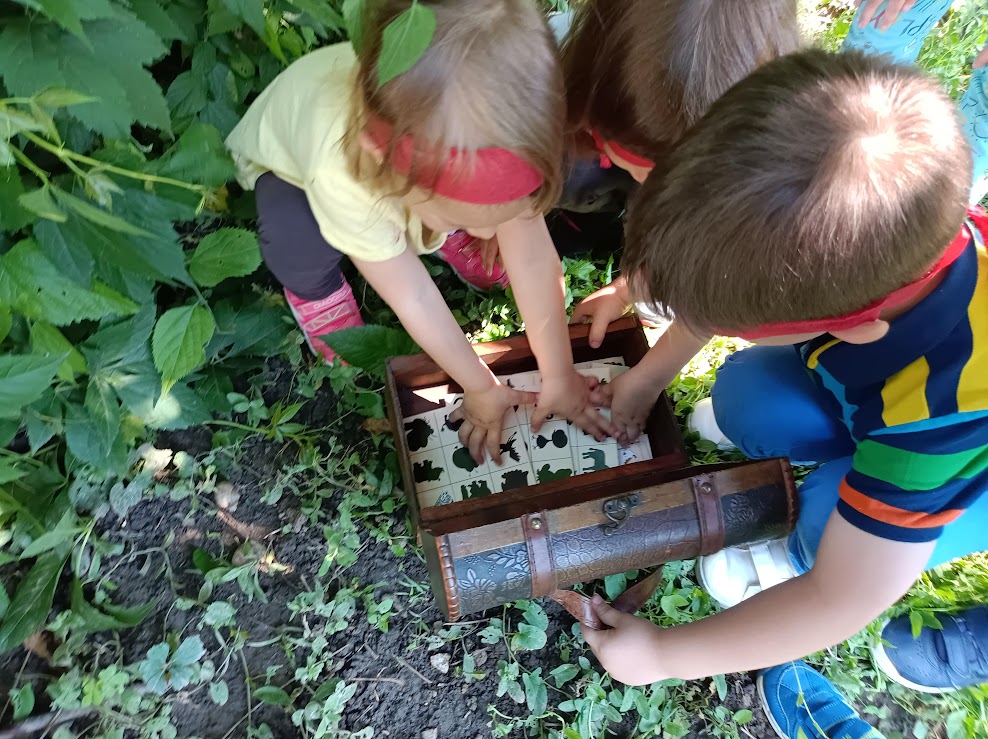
[403, 663]
[395, 680]
[31, 727]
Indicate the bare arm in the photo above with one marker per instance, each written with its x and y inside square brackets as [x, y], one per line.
[536, 276]
[856, 577]
[405, 285]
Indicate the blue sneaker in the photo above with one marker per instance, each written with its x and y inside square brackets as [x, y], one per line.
[938, 660]
[802, 704]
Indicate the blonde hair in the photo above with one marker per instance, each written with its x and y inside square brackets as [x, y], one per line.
[641, 72]
[490, 78]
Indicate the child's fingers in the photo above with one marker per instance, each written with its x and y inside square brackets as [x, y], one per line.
[598, 330]
[463, 433]
[538, 418]
[607, 613]
[598, 426]
[523, 397]
[494, 444]
[476, 444]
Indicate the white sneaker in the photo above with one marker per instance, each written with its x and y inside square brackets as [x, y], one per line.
[737, 573]
[703, 422]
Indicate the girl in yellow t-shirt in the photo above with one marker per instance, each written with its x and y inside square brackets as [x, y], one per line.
[469, 139]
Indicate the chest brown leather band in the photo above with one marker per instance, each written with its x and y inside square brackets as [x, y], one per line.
[630, 601]
[709, 513]
[536, 529]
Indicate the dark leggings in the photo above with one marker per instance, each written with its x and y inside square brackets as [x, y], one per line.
[304, 262]
[291, 244]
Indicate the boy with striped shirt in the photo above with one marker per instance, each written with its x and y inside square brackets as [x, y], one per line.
[819, 208]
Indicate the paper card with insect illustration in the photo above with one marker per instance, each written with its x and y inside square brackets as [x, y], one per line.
[610, 361]
[462, 466]
[596, 457]
[556, 469]
[422, 432]
[602, 373]
[439, 496]
[476, 487]
[552, 442]
[511, 478]
[448, 430]
[430, 470]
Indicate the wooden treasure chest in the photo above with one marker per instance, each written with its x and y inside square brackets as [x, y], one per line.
[562, 508]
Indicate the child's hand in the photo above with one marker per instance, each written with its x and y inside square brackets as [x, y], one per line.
[632, 397]
[602, 308]
[628, 650]
[483, 419]
[892, 11]
[982, 59]
[571, 397]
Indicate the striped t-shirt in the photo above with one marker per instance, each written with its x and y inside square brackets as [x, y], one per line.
[916, 404]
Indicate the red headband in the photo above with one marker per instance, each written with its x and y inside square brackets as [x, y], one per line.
[629, 157]
[867, 314]
[484, 177]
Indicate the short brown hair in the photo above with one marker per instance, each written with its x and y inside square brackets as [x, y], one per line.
[816, 186]
[490, 78]
[641, 72]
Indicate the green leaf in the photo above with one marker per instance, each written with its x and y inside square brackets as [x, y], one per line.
[23, 701]
[189, 652]
[32, 601]
[916, 621]
[219, 692]
[110, 69]
[564, 673]
[272, 695]
[13, 121]
[104, 415]
[49, 341]
[187, 95]
[250, 12]
[353, 16]
[64, 13]
[671, 604]
[23, 379]
[228, 252]
[179, 340]
[528, 637]
[6, 321]
[403, 42]
[139, 387]
[152, 668]
[720, 681]
[64, 531]
[368, 347]
[35, 287]
[743, 716]
[56, 242]
[9, 473]
[60, 97]
[536, 695]
[41, 204]
[13, 217]
[97, 215]
[198, 156]
[92, 619]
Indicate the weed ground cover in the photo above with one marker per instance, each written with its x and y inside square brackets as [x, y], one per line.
[201, 533]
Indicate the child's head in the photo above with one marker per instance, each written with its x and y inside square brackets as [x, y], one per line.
[471, 135]
[813, 190]
[640, 72]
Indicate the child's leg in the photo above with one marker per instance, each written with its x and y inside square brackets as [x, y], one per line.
[905, 38]
[767, 404]
[296, 253]
[818, 499]
[292, 247]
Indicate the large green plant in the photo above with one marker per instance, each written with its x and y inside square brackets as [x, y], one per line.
[116, 314]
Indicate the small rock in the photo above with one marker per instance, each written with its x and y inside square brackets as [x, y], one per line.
[430, 734]
[226, 496]
[155, 460]
[440, 662]
[479, 658]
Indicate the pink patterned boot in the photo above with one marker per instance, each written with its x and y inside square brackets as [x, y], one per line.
[320, 317]
[459, 253]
